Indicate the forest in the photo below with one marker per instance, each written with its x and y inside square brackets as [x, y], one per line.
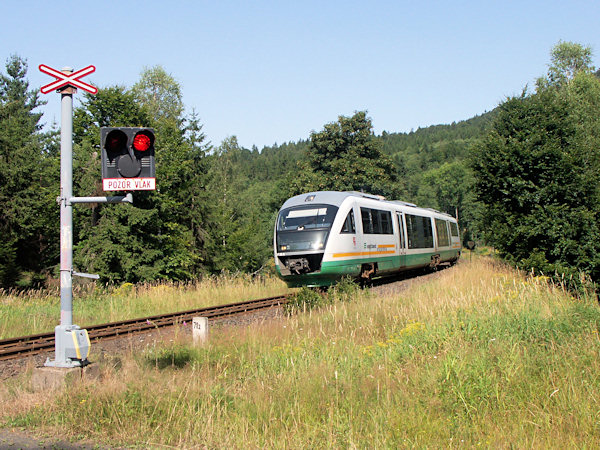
[522, 178]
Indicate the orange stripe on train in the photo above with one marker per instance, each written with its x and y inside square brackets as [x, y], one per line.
[345, 255]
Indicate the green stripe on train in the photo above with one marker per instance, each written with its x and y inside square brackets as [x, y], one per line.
[332, 271]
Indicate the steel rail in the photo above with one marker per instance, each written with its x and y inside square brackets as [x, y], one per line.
[37, 343]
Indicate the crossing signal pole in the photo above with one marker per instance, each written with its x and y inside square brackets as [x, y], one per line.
[71, 342]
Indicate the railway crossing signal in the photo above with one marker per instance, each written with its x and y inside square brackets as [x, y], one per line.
[127, 158]
[71, 342]
[67, 79]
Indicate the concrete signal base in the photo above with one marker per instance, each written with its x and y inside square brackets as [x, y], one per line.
[50, 378]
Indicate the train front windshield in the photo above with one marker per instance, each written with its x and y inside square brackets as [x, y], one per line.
[304, 227]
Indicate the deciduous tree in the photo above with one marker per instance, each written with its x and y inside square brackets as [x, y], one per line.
[347, 155]
[538, 174]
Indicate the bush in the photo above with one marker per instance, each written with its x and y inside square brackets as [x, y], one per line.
[305, 298]
[309, 298]
[537, 174]
[345, 290]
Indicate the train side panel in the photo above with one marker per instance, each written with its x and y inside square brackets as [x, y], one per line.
[370, 236]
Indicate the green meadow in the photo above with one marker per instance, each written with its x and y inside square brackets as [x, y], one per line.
[479, 355]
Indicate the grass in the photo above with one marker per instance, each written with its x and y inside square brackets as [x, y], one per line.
[39, 311]
[478, 356]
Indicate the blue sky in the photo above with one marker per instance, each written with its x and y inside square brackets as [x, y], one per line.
[271, 72]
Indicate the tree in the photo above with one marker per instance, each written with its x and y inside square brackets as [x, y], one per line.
[450, 184]
[171, 240]
[160, 93]
[240, 227]
[538, 175]
[346, 155]
[110, 240]
[180, 160]
[567, 60]
[181, 167]
[28, 183]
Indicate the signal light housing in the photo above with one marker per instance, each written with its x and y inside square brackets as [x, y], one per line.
[127, 158]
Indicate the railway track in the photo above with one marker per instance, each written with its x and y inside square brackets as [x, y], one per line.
[30, 345]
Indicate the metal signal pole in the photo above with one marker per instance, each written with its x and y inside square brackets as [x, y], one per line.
[72, 344]
[66, 209]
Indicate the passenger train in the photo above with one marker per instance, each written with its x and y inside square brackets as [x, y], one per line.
[321, 237]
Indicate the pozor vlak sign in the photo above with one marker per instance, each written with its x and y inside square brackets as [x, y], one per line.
[128, 184]
[127, 159]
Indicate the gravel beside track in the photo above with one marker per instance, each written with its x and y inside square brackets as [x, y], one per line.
[391, 286]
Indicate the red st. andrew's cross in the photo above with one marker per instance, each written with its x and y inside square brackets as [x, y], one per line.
[72, 79]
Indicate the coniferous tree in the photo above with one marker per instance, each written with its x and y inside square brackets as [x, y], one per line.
[240, 230]
[180, 170]
[120, 242]
[28, 183]
[162, 235]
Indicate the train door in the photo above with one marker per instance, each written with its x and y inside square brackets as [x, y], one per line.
[401, 238]
[348, 240]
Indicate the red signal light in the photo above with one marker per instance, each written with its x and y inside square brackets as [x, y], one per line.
[115, 141]
[142, 142]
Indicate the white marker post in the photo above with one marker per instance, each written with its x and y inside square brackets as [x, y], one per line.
[200, 330]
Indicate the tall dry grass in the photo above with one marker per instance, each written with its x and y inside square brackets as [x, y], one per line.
[23, 313]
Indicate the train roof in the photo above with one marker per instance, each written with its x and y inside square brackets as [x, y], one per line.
[336, 198]
[325, 197]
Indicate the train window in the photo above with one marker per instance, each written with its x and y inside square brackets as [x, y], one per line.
[454, 229]
[386, 222]
[419, 231]
[367, 224]
[300, 218]
[348, 226]
[442, 232]
[376, 221]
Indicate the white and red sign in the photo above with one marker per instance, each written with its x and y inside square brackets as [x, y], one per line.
[68, 79]
[129, 184]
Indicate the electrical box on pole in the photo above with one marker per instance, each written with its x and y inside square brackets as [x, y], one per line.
[127, 158]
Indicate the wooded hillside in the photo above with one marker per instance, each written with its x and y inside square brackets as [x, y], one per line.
[215, 205]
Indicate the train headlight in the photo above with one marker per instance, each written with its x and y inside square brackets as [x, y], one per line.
[283, 248]
[317, 246]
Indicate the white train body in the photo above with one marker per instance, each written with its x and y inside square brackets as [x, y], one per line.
[321, 237]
